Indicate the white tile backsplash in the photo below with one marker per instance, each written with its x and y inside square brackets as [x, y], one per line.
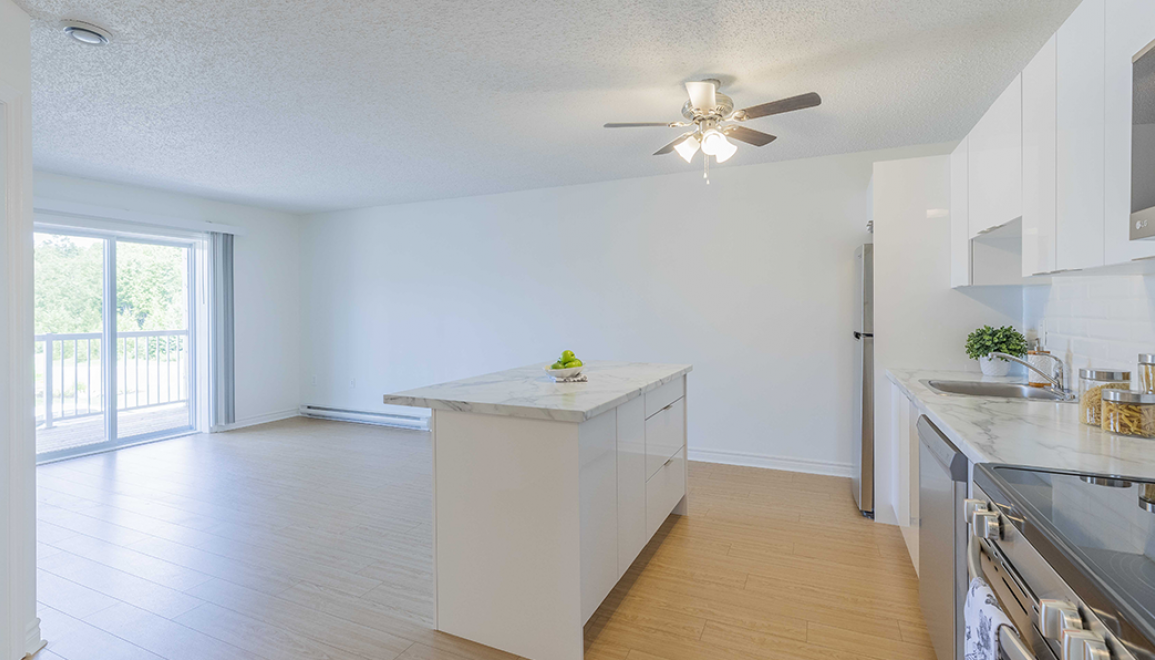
[1101, 322]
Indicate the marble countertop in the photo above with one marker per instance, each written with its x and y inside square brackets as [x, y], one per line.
[529, 391]
[1018, 432]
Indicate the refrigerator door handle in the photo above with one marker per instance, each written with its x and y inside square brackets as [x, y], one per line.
[860, 335]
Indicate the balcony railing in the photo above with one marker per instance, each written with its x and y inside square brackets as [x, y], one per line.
[152, 369]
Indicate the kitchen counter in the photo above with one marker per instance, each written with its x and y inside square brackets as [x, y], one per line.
[1033, 433]
[530, 393]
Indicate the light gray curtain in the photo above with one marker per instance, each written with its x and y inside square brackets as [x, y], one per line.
[223, 407]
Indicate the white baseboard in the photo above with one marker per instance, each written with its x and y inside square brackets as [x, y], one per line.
[258, 419]
[829, 468]
[413, 422]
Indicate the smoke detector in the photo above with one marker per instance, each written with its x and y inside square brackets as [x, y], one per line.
[87, 33]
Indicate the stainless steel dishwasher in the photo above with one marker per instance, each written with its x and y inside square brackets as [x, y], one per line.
[942, 527]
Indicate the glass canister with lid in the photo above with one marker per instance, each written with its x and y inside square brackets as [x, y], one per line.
[1129, 413]
[1092, 383]
[1147, 373]
[1041, 360]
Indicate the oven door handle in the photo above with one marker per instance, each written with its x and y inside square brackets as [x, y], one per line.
[974, 557]
[1012, 645]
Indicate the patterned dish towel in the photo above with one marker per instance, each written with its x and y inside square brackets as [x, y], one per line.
[580, 378]
[984, 620]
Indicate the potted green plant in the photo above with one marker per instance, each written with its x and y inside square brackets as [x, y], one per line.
[986, 340]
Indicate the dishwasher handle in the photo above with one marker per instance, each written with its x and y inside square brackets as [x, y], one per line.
[953, 460]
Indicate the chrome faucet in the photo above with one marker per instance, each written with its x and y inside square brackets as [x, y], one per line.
[1057, 377]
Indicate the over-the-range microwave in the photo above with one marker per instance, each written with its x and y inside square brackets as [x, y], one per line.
[1143, 143]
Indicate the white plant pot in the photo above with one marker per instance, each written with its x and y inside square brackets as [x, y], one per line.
[994, 366]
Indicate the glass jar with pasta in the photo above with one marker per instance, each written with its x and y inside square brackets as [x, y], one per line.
[1129, 413]
[1147, 373]
[1092, 383]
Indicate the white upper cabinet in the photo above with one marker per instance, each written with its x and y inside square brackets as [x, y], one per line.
[960, 244]
[1131, 27]
[1079, 134]
[1055, 150]
[995, 163]
[1039, 194]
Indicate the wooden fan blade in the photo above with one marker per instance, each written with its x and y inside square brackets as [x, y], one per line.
[748, 135]
[646, 123]
[800, 102]
[670, 147]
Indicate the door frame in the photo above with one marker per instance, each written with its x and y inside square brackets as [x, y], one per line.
[17, 422]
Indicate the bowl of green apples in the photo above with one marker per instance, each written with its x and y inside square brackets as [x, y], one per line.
[567, 366]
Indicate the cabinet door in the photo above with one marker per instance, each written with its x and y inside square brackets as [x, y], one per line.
[1130, 26]
[1039, 195]
[1079, 138]
[995, 185]
[960, 238]
[631, 482]
[598, 508]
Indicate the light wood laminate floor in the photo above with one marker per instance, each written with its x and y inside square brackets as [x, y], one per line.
[307, 539]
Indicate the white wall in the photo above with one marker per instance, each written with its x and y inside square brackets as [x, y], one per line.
[749, 278]
[266, 274]
[920, 322]
[1102, 321]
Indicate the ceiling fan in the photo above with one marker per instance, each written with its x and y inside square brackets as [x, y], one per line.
[709, 112]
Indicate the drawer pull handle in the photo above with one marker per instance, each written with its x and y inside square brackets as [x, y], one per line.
[668, 460]
[668, 406]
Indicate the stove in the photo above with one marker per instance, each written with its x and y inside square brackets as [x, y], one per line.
[1079, 551]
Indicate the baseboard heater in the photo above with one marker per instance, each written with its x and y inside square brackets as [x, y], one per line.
[415, 422]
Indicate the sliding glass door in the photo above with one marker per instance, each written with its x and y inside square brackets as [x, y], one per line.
[70, 334]
[113, 315]
[152, 336]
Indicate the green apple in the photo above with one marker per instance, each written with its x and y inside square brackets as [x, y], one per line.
[567, 356]
[573, 363]
[557, 365]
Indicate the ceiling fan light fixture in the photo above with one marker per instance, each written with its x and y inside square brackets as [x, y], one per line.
[703, 95]
[725, 150]
[716, 124]
[687, 148]
[713, 141]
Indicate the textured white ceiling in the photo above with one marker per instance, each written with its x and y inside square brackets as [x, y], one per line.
[310, 105]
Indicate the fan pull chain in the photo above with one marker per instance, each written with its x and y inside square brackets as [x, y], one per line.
[706, 170]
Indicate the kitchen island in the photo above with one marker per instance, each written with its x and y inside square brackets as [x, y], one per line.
[544, 493]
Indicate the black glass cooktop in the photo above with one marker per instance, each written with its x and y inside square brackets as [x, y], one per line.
[1104, 526]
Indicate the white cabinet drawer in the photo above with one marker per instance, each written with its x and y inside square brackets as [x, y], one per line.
[664, 490]
[665, 435]
[664, 396]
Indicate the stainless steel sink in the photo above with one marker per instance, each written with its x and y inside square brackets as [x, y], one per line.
[1001, 390]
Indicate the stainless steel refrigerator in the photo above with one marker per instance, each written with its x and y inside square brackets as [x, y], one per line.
[862, 478]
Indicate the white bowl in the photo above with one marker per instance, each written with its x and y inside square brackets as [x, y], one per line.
[561, 374]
